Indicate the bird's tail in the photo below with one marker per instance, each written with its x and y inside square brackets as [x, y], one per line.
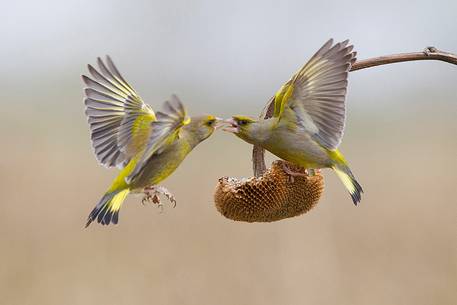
[107, 209]
[344, 173]
[349, 181]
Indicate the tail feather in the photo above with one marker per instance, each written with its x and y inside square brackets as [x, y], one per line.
[107, 209]
[349, 181]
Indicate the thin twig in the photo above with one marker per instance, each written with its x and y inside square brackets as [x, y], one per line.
[430, 53]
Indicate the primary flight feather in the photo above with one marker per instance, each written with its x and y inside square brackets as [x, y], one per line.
[309, 116]
[128, 134]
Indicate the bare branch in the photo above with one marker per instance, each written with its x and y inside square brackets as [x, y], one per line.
[430, 53]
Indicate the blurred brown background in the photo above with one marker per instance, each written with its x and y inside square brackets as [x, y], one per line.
[398, 247]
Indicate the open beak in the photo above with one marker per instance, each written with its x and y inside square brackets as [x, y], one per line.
[219, 123]
[232, 126]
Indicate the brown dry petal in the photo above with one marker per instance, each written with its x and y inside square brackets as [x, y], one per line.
[270, 197]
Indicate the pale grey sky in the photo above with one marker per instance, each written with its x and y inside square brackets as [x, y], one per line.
[220, 54]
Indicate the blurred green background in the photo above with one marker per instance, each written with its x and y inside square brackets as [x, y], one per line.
[398, 247]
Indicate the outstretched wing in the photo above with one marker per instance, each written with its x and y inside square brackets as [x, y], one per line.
[316, 93]
[163, 132]
[119, 119]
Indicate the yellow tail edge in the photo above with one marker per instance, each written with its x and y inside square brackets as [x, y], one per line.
[107, 209]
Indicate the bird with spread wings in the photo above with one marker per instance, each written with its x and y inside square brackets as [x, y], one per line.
[146, 146]
[309, 116]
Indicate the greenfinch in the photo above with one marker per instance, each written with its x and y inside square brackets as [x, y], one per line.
[309, 116]
[146, 146]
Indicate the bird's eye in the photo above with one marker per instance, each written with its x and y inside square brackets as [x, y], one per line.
[242, 122]
[210, 122]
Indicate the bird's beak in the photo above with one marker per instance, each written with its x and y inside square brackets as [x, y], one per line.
[219, 123]
[233, 126]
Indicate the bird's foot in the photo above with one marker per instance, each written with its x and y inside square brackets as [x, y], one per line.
[293, 174]
[152, 194]
[313, 171]
[309, 172]
[164, 191]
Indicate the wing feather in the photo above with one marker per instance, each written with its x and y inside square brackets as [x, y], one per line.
[119, 119]
[163, 131]
[316, 93]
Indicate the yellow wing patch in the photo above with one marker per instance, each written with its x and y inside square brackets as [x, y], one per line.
[164, 131]
[281, 98]
[316, 93]
[134, 134]
[186, 121]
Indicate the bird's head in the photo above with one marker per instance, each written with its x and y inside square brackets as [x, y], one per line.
[243, 127]
[201, 127]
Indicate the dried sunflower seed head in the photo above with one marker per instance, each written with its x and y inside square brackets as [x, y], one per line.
[271, 197]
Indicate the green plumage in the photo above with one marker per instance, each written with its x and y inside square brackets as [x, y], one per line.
[309, 116]
[125, 132]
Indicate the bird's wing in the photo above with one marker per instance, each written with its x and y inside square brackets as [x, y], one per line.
[315, 95]
[163, 132]
[119, 119]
